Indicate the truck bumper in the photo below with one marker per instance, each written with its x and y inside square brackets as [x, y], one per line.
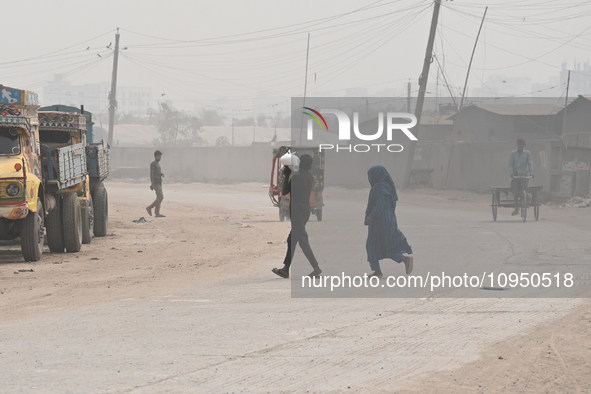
[14, 211]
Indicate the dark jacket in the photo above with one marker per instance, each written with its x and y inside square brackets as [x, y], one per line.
[300, 187]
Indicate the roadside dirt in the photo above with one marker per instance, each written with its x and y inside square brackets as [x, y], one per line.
[553, 358]
[190, 245]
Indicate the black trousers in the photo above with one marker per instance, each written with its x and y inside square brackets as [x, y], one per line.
[298, 235]
[517, 187]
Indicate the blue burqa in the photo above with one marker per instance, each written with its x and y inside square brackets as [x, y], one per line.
[384, 239]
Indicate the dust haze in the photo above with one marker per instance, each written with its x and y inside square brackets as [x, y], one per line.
[498, 300]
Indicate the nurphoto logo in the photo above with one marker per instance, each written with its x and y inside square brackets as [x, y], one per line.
[394, 121]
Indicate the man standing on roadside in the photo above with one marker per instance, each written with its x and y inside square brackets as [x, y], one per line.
[156, 176]
[520, 164]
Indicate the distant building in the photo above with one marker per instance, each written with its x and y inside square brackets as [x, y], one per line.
[577, 118]
[488, 122]
[95, 96]
[433, 128]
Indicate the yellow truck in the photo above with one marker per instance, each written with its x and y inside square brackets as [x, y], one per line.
[22, 194]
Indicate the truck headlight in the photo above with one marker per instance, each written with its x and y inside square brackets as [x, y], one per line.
[12, 190]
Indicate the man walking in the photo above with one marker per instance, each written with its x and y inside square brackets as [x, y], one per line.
[520, 164]
[156, 176]
[300, 186]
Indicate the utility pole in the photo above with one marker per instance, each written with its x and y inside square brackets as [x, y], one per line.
[437, 95]
[408, 97]
[305, 87]
[422, 90]
[113, 93]
[565, 103]
[471, 58]
[459, 118]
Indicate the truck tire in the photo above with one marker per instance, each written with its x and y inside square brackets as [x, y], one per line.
[101, 210]
[32, 234]
[88, 222]
[55, 229]
[72, 220]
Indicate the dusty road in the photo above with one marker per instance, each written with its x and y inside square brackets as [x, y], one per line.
[187, 304]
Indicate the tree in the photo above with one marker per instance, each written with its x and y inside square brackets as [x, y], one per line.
[262, 121]
[244, 122]
[281, 121]
[211, 117]
[222, 141]
[177, 128]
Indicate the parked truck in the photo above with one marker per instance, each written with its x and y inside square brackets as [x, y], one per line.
[95, 202]
[74, 171]
[22, 196]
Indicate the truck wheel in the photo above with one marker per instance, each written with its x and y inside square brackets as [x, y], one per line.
[55, 232]
[88, 222]
[32, 234]
[72, 219]
[101, 210]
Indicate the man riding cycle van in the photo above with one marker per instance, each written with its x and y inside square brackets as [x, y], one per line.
[520, 164]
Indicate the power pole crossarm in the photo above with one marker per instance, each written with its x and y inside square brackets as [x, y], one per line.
[113, 93]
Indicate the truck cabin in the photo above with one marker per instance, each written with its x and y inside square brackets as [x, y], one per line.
[58, 129]
[55, 137]
[15, 141]
[14, 153]
[10, 141]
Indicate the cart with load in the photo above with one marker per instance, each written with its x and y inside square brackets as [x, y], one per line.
[277, 179]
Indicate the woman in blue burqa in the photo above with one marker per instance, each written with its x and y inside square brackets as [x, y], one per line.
[384, 239]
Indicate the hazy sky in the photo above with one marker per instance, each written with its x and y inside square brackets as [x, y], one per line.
[196, 52]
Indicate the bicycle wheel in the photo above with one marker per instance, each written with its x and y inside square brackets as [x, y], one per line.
[524, 206]
[536, 204]
[495, 204]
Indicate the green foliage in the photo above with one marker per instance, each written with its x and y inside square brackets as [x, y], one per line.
[281, 121]
[211, 117]
[222, 141]
[177, 128]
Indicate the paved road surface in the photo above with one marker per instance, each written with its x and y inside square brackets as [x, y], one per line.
[198, 310]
